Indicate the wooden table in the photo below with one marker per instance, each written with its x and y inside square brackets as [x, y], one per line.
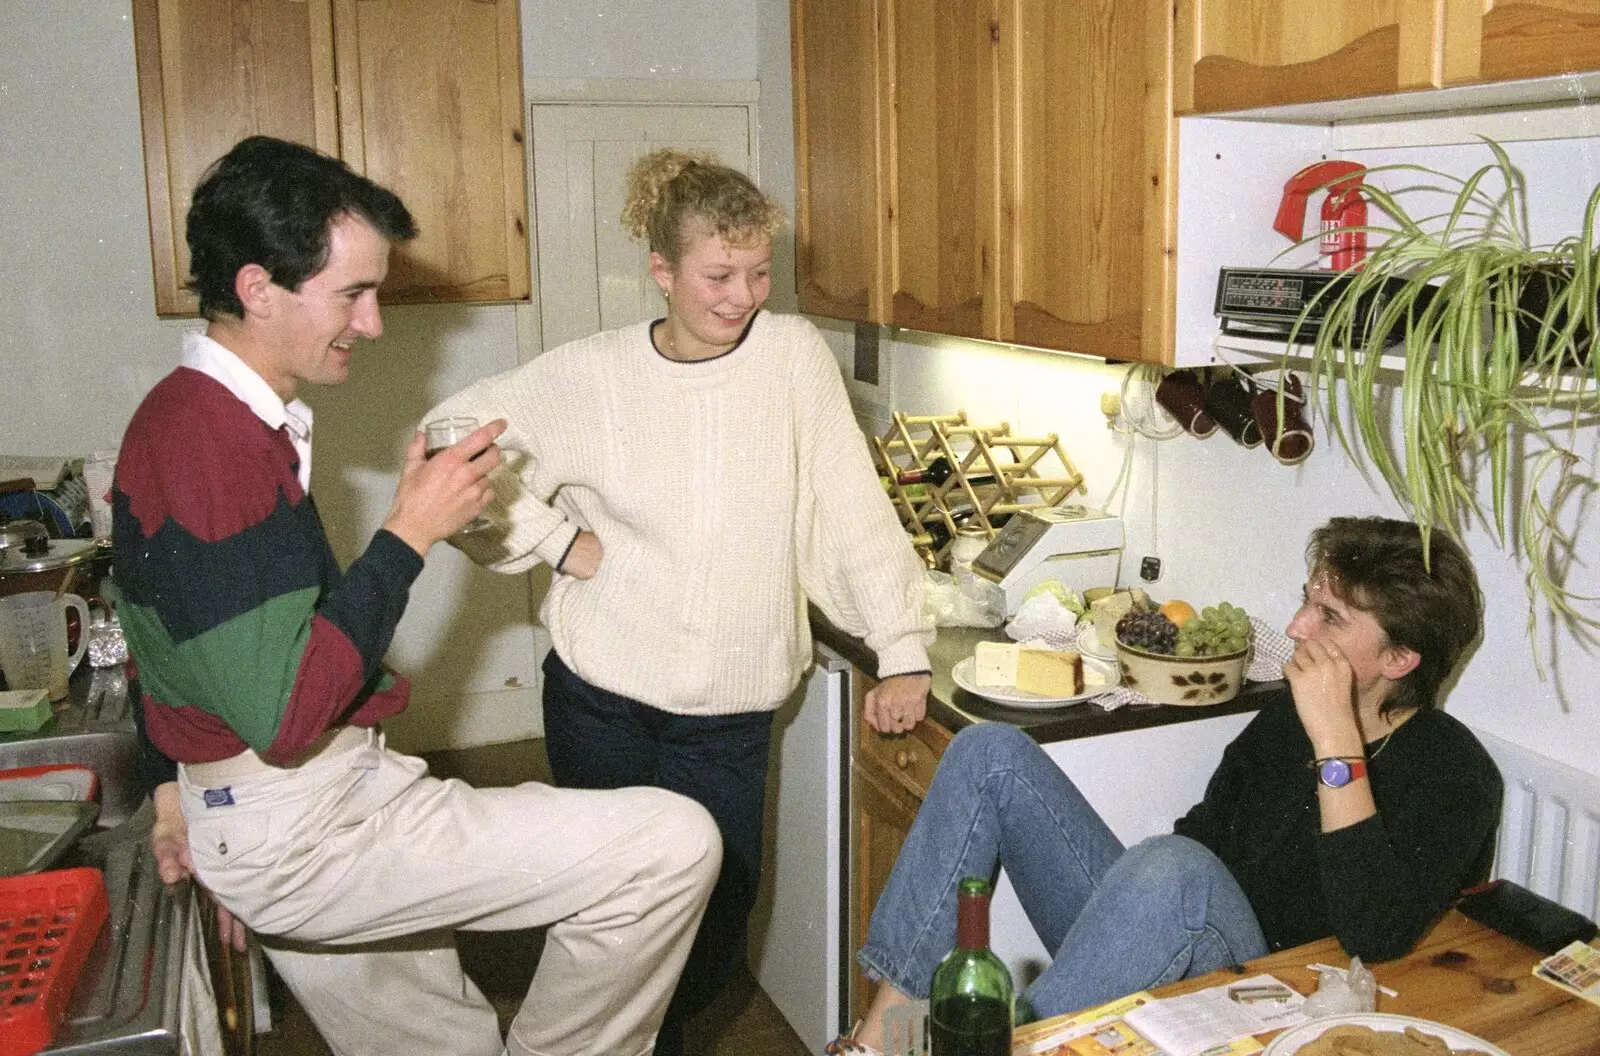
[1463, 975]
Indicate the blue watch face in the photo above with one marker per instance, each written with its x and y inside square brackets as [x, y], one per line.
[1335, 773]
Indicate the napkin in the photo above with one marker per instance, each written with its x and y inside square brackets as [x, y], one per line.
[1273, 649]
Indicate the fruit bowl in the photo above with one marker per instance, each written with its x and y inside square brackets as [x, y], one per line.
[1188, 681]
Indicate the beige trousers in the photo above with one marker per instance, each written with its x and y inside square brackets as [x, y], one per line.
[356, 866]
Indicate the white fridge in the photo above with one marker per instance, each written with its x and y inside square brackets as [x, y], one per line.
[798, 929]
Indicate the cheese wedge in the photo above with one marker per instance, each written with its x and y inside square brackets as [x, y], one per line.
[995, 664]
[1045, 672]
[1050, 672]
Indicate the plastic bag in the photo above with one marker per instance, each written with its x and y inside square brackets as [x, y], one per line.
[1341, 992]
[1044, 616]
[968, 603]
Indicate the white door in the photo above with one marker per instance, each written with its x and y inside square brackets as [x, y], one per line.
[592, 276]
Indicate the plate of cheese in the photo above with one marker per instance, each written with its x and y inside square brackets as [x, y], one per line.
[1022, 676]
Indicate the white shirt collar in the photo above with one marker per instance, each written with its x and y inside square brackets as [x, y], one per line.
[213, 360]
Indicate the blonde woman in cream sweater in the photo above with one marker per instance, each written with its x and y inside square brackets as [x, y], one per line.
[694, 481]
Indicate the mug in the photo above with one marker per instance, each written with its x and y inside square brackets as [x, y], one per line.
[33, 640]
[1228, 401]
[1182, 395]
[1290, 439]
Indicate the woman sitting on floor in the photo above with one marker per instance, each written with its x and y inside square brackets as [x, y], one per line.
[1349, 806]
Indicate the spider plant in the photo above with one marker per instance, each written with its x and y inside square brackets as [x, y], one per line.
[1451, 290]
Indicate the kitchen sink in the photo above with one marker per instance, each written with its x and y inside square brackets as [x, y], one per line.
[93, 727]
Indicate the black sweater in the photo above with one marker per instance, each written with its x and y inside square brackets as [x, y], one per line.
[1377, 885]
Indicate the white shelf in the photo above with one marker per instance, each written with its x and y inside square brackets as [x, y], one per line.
[1263, 351]
[1232, 350]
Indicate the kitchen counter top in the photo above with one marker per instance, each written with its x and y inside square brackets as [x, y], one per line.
[955, 708]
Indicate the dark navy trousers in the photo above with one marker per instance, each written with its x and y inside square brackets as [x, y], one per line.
[599, 739]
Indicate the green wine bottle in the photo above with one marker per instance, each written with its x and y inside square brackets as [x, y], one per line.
[971, 1002]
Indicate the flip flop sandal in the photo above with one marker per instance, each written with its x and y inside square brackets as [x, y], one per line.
[1181, 395]
[1290, 441]
[905, 1029]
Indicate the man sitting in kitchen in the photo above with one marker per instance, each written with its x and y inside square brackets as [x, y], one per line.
[1349, 806]
[260, 662]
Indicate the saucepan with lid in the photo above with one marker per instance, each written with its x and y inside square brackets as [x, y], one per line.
[42, 563]
[17, 533]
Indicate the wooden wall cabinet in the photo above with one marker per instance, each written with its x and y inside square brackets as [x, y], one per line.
[423, 96]
[996, 169]
[1240, 54]
[1089, 178]
[1496, 40]
[840, 262]
[890, 774]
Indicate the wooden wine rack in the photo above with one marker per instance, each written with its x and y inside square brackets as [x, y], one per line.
[993, 475]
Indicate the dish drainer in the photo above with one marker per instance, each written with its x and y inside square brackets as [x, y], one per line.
[992, 475]
[48, 923]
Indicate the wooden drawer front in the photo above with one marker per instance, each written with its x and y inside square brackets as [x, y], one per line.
[909, 758]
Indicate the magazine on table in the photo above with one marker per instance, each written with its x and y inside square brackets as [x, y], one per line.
[1575, 969]
[1217, 1021]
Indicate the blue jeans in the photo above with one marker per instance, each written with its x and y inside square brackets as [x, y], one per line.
[599, 739]
[1118, 920]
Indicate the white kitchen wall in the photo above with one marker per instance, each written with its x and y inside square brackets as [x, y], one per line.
[80, 343]
[707, 40]
[78, 329]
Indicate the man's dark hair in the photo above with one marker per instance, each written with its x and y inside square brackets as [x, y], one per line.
[272, 203]
[1432, 606]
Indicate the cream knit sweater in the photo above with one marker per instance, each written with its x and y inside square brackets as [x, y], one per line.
[725, 493]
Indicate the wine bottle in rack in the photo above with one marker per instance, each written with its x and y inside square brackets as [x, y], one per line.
[933, 536]
[937, 472]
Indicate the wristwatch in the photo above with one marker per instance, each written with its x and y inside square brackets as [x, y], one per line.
[1336, 773]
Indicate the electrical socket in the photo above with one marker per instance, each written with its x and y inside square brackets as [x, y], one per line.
[1150, 569]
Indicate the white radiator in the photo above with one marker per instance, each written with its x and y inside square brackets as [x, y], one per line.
[1549, 827]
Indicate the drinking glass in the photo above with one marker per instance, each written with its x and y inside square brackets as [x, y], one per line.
[447, 432]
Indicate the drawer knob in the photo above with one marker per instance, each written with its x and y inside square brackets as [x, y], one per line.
[904, 758]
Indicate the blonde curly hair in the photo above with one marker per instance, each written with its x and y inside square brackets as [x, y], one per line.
[668, 189]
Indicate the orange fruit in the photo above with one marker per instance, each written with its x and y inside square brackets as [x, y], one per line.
[1179, 612]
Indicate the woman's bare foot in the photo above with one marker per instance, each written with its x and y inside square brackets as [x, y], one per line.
[870, 1030]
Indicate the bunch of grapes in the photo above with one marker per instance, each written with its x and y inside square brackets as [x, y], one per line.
[1148, 630]
[1218, 630]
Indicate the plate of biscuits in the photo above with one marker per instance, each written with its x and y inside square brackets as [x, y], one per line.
[1378, 1034]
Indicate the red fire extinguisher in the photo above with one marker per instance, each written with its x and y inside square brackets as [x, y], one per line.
[1344, 211]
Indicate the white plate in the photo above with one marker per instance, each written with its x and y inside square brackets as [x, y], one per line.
[1289, 1041]
[1089, 642]
[965, 674]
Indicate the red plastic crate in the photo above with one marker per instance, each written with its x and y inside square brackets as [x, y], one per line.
[48, 922]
